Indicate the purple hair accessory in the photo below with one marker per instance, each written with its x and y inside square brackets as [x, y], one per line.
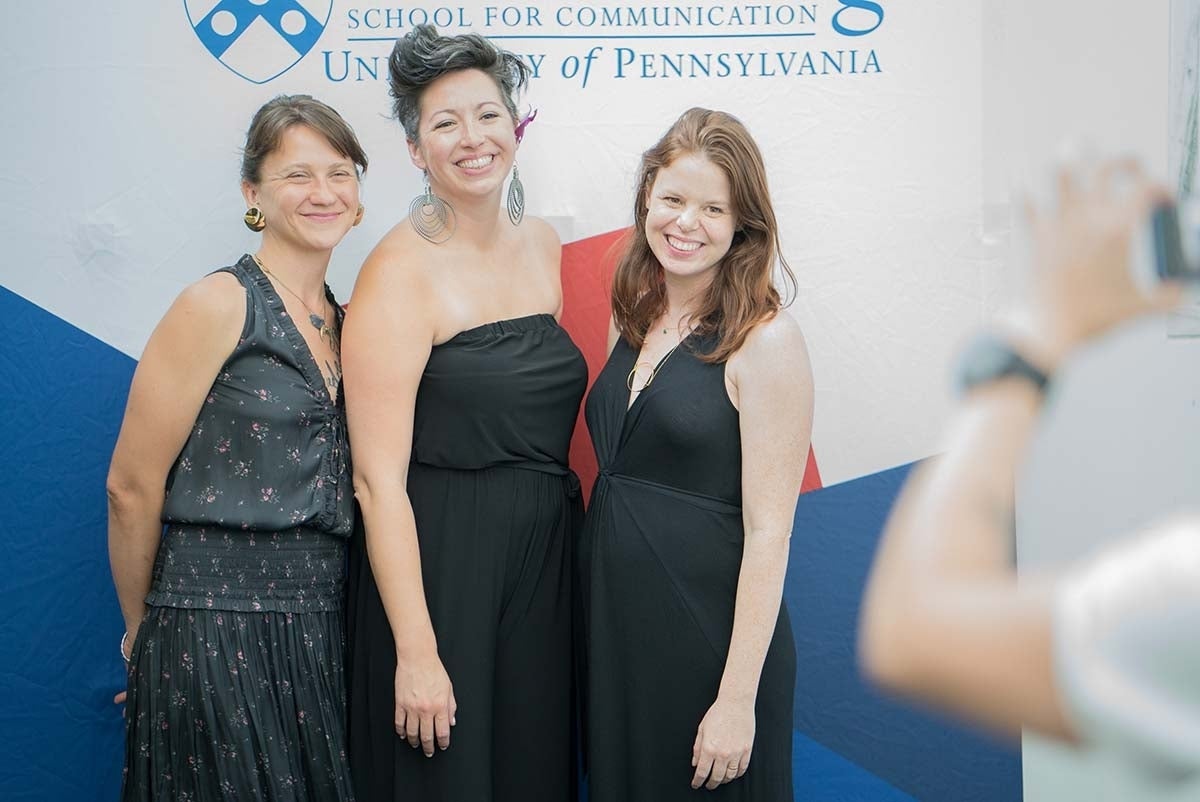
[521, 125]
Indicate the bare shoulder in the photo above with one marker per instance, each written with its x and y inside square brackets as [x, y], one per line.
[773, 344]
[770, 375]
[397, 266]
[613, 335]
[542, 232]
[217, 300]
[202, 327]
[544, 239]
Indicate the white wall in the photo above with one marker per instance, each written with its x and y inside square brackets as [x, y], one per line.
[1121, 440]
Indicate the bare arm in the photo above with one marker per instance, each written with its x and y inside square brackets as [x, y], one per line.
[387, 339]
[944, 618]
[775, 402]
[176, 371]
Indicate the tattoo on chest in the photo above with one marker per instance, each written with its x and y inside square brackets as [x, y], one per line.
[333, 374]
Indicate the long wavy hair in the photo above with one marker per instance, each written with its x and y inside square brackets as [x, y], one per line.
[742, 293]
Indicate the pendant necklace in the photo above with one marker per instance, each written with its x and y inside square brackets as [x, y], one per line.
[318, 322]
[629, 380]
[654, 369]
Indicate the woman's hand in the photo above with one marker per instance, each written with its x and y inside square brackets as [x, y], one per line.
[723, 743]
[126, 652]
[425, 706]
[1082, 283]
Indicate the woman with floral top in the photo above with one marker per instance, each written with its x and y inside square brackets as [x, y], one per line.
[234, 440]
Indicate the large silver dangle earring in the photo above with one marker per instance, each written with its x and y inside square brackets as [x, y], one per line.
[516, 198]
[431, 217]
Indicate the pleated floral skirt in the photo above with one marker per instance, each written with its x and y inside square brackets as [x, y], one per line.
[240, 704]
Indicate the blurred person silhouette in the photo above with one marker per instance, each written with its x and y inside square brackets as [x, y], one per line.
[1098, 655]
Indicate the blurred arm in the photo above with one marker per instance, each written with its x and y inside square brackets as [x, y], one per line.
[944, 618]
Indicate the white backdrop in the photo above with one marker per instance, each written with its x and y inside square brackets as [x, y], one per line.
[123, 131]
[122, 127]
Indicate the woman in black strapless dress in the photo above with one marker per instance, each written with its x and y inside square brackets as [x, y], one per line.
[700, 421]
[462, 392]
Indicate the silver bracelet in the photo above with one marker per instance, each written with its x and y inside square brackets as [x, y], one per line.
[122, 647]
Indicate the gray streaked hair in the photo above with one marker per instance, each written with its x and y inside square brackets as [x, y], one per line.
[422, 56]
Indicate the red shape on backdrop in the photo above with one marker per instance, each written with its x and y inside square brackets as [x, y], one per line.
[812, 477]
[587, 270]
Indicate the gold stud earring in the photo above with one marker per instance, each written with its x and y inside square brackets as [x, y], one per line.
[254, 219]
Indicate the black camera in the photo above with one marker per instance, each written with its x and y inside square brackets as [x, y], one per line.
[1176, 244]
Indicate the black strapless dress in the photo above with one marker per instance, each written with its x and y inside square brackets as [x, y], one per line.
[496, 511]
[660, 554]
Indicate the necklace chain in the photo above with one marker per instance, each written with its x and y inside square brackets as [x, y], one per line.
[654, 369]
[317, 321]
[334, 377]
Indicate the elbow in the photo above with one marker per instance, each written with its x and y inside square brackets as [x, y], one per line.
[888, 649]
[776, 538]
[371, 487]
[126, 495]
[362, 489]
[876, 660]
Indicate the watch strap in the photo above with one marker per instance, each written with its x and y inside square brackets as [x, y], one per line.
[990, 358]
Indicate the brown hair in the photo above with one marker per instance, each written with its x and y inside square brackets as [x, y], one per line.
[741, 294]
[279, 114]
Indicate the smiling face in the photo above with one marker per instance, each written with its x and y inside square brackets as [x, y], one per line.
[307, 191]
[467, 137]
[690, 219]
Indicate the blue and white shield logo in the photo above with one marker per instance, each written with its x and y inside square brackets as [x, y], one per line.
[258, 39]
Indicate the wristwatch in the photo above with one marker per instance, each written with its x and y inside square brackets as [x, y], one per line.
[989, 358]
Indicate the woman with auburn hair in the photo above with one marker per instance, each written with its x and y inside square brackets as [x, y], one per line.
[701, 421]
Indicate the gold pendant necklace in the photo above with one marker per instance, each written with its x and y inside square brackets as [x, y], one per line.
[629, 380]
[654, 369]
